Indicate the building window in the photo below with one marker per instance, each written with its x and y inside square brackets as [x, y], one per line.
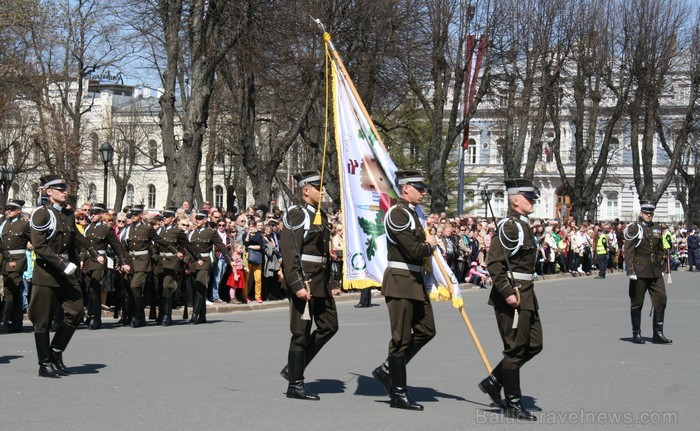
[153, 151]
[612, 207]
[94, 147]
[151, 196]
[500, 148]
[678, 215]
[499, 204]
[129, 195]
[615, 152]
[92, 192]
[219, 197]
[470, 153]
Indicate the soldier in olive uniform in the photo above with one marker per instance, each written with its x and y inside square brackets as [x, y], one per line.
[203, 240]
[410, 311]
[172, 263]
[305, 247]
[138, 237]
[645, 260]
[511, 262]
[55, 240]
[14, 235]
[99, 235]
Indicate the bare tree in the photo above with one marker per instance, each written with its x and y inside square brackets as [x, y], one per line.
[687, 135]
[70, 40]
[654, 27]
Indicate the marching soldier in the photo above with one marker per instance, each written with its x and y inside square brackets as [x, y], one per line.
[172, 263]
[203, 239]
[410, 311]
[645, 259]
[139, 236]
[99, 235]
[305, 248]
[55, 282]
[14, 235]
[511, 262]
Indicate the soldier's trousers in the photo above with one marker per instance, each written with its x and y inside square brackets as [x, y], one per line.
[13, 292]
[170, 277]
[42, 306]
[522, 343]
[323, 313]
[94, 286]
[412, 325]
[137, 282]
[657, 293]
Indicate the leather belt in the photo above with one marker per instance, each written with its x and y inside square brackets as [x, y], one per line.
[167, 254]
[205, 255]
[523, 276]
[404, 265]
[104, 252]
[139, 252]
[17, 251]
[312, 258]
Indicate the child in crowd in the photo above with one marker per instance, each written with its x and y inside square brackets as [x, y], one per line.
[237, 279]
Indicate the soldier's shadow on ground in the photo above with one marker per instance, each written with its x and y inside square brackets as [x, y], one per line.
[9, 358]
[530, 403]
[87, 369]
[629, 339]
[326, 386]
[369, 386]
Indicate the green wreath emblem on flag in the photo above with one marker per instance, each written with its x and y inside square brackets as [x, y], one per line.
[372, 229]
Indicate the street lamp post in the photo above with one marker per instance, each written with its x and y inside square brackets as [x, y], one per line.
[228, 171]
[486, 197]
[599, 200]
[106, 154]
[7, 175]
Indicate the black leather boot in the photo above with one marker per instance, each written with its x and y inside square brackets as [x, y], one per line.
[58, 345]
[167, 311]
[309, 355]
[492, 386]
[658, 327]
[202, 317]
[196, 305]
[400, 398]
[6, 325]
[138, 318]
[381, 373]
[296, 388]
[96, 322]
[511, 388]
[46, 367]
[636, 317]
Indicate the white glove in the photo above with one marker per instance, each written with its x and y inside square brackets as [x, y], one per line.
[633, 277]
[70, 268]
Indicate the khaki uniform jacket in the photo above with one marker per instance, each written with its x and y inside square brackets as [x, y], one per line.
[648, 259]
[55, 253]
[177, 238]
[505, 239]
[203, 240]
[99, 235]
[407, 245]
[14, 235]
[315, 243]
[139, 238]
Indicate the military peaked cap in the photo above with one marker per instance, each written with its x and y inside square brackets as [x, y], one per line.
[312, 178]
[412, 177]
[522, 186]
[14, 204]
[647, 207]
[53, 181]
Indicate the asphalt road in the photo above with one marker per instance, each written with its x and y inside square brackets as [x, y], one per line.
[224, 375]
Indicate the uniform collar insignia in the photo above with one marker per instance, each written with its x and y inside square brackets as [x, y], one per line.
[525, 218]
[311, 208]
[58, 207]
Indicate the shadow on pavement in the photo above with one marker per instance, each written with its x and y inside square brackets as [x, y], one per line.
[368, 386]
[327, 386]
[7, 359]
[87, 369]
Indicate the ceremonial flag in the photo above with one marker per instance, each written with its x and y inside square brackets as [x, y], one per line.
[368, 191]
